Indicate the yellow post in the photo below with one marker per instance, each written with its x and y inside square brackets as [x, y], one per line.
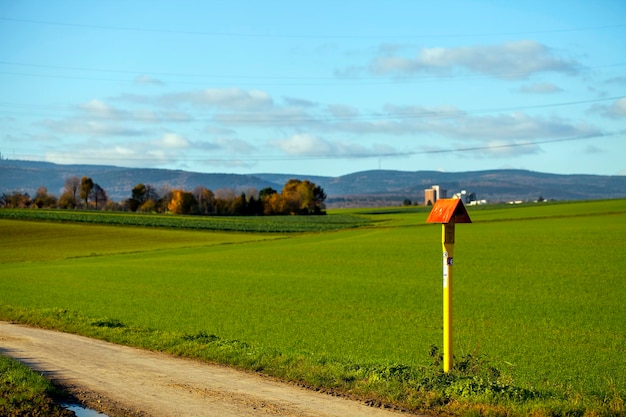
[448, 212]
[447, 240]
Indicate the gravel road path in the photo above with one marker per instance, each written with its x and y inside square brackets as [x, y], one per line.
[123, 381]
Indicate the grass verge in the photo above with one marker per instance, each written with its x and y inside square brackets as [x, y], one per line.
[26, 393]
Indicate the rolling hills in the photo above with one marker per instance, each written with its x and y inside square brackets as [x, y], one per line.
[367, 188]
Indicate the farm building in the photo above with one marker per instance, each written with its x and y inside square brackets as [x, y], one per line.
[432, 194]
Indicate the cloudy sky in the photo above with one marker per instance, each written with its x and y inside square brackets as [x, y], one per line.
[316, 87]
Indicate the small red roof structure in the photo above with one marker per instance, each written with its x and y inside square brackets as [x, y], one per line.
[448, 210]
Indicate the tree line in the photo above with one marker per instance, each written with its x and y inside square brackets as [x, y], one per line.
[296, 198]
[77, 193]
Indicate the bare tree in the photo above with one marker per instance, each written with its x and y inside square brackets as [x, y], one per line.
[205, 199]
[86, 186]
[98, 195]
[43, 199]
[68, 197]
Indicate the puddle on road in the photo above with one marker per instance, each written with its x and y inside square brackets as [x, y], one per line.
[81, 411]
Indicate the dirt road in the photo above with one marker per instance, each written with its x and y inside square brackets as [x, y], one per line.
[123, 381]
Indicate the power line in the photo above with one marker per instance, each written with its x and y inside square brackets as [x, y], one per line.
[278, 118]
[238, 79]
[471, 149]
[302, 36]
[254, 79]
[339, 156]
[175, 74]
[520, 144]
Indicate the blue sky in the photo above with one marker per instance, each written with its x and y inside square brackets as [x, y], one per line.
[316, 88]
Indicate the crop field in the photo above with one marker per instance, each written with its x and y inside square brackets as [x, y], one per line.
[539, 296]
[271, 224]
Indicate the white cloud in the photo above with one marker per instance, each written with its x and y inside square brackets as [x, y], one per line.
[234, 145]
[343, 111]
[423, 112]
[269, 118]
[122, 150]
[507, 149]
[99, 109]
[149, 116]
[77, 126]
[222, 131]
[618, 107]
[451, 122]
[303, 144]
[102, 155]
[512, 126]
[616, 110]
[304, 127]
[392, 121]
[508, 61]
[172, 141]
[224, 98]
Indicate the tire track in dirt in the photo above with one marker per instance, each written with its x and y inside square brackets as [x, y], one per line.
[124, 381]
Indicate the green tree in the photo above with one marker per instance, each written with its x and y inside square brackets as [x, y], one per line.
[319, 197]
[266, 192]
[254, 207]
[138, 197]
[139, 192]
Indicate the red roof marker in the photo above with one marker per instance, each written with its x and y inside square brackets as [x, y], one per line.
[447, 210]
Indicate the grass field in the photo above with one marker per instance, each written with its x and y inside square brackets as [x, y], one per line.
[539, 295]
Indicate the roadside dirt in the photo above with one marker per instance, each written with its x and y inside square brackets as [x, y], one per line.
[123, 381]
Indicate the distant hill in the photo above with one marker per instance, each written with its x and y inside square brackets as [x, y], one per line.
[368, 188]
[493, 185]
[27, 176]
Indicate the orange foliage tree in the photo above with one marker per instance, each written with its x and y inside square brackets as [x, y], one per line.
[182, 202]
[302, 197]
[297, 197]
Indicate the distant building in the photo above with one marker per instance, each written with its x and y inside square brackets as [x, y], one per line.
[431, 195]
[469, 198]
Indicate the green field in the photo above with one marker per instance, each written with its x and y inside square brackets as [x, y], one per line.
[539, 295]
